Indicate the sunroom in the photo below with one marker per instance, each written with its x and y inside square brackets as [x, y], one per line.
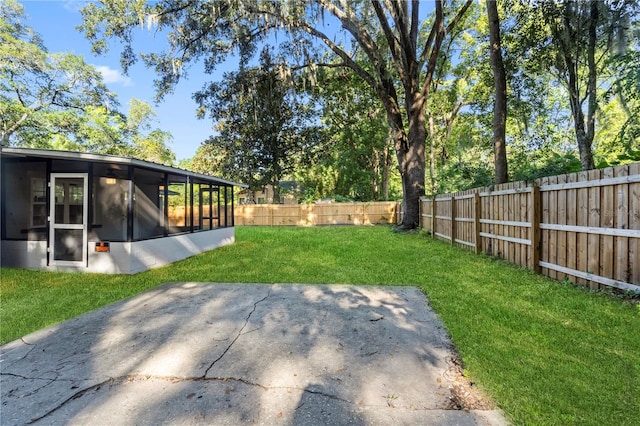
[87, 212]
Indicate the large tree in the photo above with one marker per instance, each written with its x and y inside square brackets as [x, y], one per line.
[400, 43]
[263, 125]
[41, 92]
[576, 40]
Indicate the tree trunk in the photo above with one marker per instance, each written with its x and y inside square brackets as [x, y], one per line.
[386, 167]
[411, 160]
[584, 146]
[377, 178]
[500, 104]
[584, 137]
[584, 126]
[275, 185]
[432, 156]
[251, 196]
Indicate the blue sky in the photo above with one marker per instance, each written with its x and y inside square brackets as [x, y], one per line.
[55, 21]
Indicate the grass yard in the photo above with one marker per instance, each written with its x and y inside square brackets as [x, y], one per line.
[548, 353]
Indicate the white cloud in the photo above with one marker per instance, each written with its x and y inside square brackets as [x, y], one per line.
[74, 5]
[109, 75]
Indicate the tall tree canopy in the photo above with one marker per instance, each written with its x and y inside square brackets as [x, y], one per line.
[400, 41]
[577, 41]
[41, 92]
[355, 158]
[263, 126]
[57, 100]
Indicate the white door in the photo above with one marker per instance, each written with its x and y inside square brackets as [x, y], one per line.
[68, 216]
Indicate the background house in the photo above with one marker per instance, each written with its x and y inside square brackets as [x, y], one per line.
[290, 193]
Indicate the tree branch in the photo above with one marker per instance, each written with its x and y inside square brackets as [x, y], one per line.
[309, 29]
[319, 64]
[360, 34]
[458, 16]
[415, 18]
[386, 28]
[438, 33]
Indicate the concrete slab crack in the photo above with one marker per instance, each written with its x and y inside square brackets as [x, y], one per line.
[246, 321]
[76, 395]
[327, 395]
[11, 361]
[21, 377]
[138, 377]
[27, 343]
[175, 379]
[32, 379]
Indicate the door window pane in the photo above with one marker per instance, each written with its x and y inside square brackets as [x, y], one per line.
[68, 245]
[69, 200]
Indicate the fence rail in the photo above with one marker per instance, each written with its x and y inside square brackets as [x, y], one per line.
[584, 226]
[384, 212]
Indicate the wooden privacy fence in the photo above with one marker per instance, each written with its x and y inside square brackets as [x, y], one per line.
[383, 212]
[584, 226]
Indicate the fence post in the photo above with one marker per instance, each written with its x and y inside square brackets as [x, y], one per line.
[433, 216]
[453, 219]
[535, 228]
[476, 221]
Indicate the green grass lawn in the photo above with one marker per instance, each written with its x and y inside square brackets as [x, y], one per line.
[548, 353]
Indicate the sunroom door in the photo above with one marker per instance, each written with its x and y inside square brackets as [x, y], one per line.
[209, 206]
[68, 216]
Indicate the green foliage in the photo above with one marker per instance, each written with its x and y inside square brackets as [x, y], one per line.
[399, 46]
[41, 92]
[264, 126]
[547, 353]
[461, 175]
[573, 43]
[542, 162]
[625, 96]
[57, 100]
[144, 141]
[356, 158]
[541, 138]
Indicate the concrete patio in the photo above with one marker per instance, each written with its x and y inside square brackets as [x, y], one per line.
[193, 353]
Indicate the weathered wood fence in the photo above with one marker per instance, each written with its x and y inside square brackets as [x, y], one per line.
[384, 212]
[583, 226]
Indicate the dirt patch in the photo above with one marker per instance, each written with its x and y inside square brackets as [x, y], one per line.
[465, 395]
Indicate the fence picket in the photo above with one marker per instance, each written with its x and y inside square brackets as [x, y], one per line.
[561, 255]
[593, 244]
[545, 234]
[553, 234]
[607, 220]
[634, 223]
[534, 216]
[572, 213]
[476, 222]
[582, 261]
